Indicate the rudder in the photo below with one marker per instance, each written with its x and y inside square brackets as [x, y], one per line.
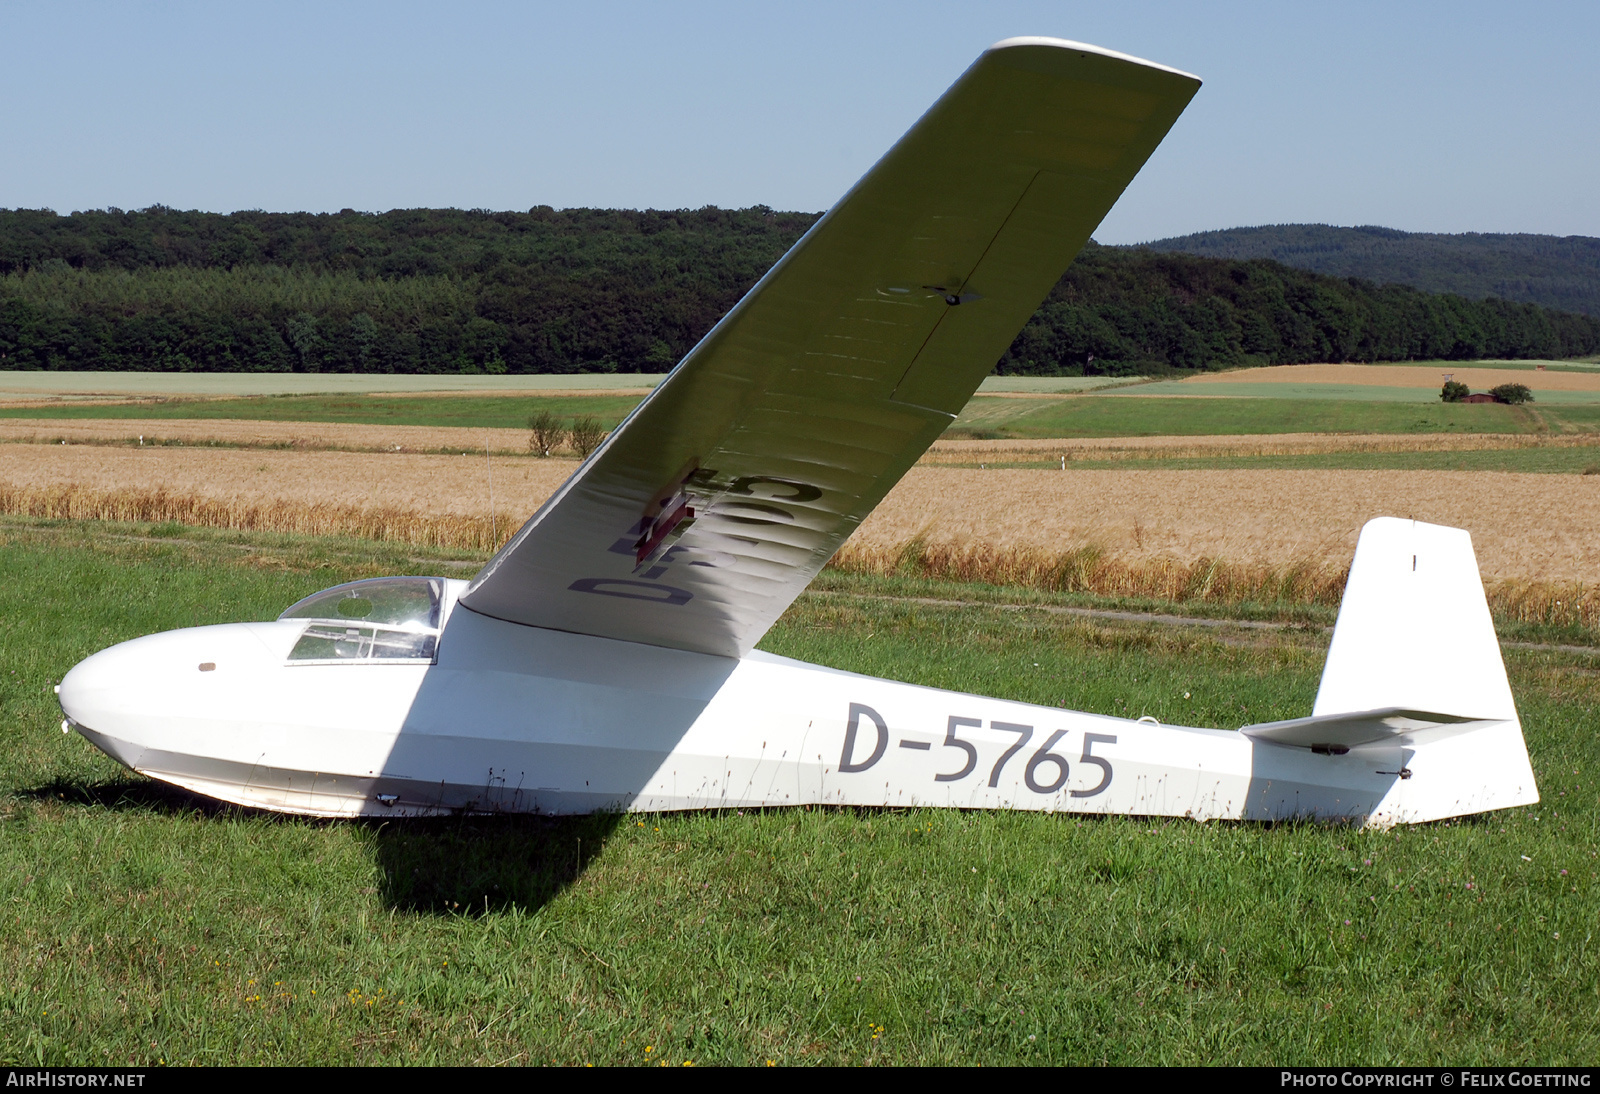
[1414, 628]
[1414, 633]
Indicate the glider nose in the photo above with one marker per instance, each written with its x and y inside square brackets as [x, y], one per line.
[122, 697]
[100, 686]
[103, 695]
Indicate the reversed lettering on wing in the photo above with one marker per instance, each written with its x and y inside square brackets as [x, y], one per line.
[659, 540]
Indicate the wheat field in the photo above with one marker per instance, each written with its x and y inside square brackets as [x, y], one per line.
[1222, 535]
[1542, 526]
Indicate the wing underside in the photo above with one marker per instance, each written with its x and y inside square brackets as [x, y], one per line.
[709, 510]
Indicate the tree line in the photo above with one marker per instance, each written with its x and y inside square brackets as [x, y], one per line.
[595, 290]
[1133, 312]
[1561, 272]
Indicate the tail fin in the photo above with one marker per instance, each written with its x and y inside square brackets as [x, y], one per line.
[1414, 654]
[1414, 629]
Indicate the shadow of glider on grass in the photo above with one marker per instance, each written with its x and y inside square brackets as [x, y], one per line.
[604, 660]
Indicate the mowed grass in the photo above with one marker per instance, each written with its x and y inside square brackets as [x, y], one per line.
[1552, 460]
[1114, 415]
[478, 411]
[1343, 392]
[141, 924]
[986, 416]
[36, 383]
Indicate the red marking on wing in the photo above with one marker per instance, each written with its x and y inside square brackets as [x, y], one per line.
[662, 527]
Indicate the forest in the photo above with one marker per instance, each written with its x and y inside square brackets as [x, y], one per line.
[596, 290]
[1560, 272]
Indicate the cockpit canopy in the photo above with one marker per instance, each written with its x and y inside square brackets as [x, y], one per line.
[383, 619]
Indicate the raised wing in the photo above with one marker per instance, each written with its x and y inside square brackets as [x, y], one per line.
[709, 510]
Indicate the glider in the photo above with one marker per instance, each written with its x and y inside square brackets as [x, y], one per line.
[604, 658]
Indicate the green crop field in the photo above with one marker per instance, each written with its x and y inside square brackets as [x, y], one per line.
[1356, 393]
[1570, 364]
[42, 385]
[35, 384]
[988, 416]
[476, 411]
[140, 924]
[1576, 460]
[1113, 415]
[1059, 408]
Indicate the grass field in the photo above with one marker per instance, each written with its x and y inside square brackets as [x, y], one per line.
[1006, 407]
[143, 925]
[1094, 415]
[1113, 415]
[1375, 393]
[150, 385]
[1423, 380]
[1346, 392]
[479, 411]
[1558, 461]
[146, 385]
[140, 924]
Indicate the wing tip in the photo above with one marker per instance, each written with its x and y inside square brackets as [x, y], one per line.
[1083, 47]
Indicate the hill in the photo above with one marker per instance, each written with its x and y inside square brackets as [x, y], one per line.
[604, 290]
[1561, 272]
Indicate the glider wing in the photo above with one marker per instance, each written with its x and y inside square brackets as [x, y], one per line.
[701, 518]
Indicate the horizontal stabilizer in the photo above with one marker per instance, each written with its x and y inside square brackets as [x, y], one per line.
[1338, 733]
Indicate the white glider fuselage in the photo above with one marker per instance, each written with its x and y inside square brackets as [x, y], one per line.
[511, 718]
[601, 660]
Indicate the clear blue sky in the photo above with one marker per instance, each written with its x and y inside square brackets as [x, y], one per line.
[1445, 117]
